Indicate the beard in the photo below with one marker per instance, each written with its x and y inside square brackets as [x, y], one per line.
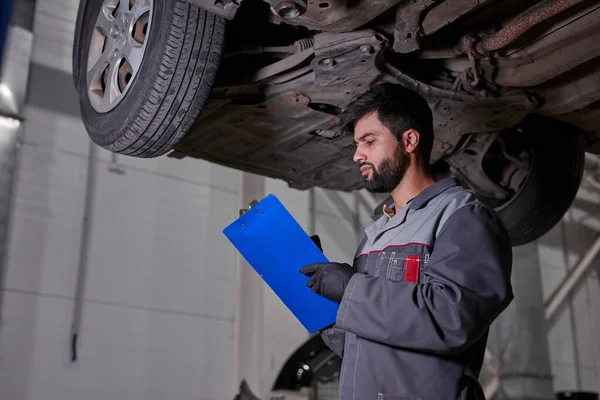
[389, 173]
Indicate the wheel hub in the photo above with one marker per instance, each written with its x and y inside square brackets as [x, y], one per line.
[491, 167]
[115, 32]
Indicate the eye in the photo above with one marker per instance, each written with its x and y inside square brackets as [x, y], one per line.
[369, 142]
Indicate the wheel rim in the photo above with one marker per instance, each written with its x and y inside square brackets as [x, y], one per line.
[116, 50]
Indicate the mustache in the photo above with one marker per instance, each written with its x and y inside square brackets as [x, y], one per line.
[367, 165]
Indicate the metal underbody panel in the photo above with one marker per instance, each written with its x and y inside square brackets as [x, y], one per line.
[286, 128]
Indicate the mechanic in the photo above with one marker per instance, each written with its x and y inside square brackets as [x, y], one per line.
[430, 275]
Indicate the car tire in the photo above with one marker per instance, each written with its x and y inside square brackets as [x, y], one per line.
[553, 181]
[160, 99]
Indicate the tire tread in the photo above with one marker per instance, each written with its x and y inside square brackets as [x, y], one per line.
[170, 104]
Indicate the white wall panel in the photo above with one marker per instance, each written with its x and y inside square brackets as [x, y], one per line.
[46, 228]
[54, 23]
[572, 342]
[51, 130]
[551, 277]
[589, 380]
[560, 339]
[565, 377]
[154, 355]
[550, 251]
[125, 353]
[323, 207]
[296, 201]
[17, 333]
[159, 302]
[158, 316]
[339, 244]
[585, 342]
[187, 170]
[157, 242]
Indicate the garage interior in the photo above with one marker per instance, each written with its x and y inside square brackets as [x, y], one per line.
[117, 283]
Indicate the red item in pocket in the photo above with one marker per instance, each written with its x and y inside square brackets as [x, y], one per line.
[412, 269]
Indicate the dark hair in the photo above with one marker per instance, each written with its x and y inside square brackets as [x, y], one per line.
[398, 108]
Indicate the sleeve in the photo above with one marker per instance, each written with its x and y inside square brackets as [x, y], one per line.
[465, 286]
[334, 338]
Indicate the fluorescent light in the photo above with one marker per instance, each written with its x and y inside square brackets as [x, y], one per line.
[9, 123]
[8, 98]
[5, 90]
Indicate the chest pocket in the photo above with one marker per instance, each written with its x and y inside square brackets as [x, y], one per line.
[401, 266]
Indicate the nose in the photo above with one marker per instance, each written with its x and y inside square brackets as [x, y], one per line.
[359, 156]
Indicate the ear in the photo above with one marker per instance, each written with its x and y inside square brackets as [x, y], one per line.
[410, 140]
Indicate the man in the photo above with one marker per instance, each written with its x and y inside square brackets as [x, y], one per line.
[431, 274]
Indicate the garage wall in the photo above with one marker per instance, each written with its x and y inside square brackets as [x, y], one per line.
[574, 337]
[158, 316]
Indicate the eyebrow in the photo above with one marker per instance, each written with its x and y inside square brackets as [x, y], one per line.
[365, 136]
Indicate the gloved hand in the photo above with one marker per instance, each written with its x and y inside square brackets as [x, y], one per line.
[328, 279]
[317, 240]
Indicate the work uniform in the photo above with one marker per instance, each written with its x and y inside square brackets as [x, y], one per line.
[431, 277]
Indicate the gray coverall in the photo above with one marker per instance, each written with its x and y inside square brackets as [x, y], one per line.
[413, 322]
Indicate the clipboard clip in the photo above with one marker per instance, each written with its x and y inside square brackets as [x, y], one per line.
[245, 210]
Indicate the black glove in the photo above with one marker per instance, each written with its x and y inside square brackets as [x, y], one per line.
[317, 240]
[328, 279]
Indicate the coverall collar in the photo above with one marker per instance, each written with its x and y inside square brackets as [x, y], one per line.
[421, 199]
[432, 191]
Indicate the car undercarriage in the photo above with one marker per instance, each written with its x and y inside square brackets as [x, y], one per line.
[513, 86]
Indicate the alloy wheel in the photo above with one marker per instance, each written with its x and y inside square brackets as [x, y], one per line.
[116, 50]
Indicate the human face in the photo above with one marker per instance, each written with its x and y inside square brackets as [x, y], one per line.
[381, 157]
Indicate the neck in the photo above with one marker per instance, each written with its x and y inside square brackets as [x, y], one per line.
[416, 179]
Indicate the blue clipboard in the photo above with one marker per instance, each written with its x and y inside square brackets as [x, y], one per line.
[276, 246]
